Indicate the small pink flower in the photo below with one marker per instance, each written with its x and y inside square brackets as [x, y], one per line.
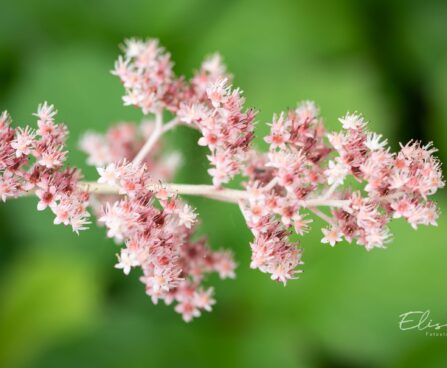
[281, 273]
[279, 134]
[192, 113]
[8, 187]
[45, 112]
[108, 175]
[127, 260]
[187, 216]
[352, 121]
[374, 142]
[300, 224]
[79, 222]
[336, 172]
[24, 142]
[203, 299]
[188, 310]
[402, 208]
[46, 128]
[217, 92]
[331, 236]
[47, 198]
[52, 158]
[225, 265]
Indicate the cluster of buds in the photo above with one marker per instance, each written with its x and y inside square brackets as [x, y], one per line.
[300, 177]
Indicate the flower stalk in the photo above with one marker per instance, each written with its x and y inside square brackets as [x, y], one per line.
[302, 172]
[206, 191]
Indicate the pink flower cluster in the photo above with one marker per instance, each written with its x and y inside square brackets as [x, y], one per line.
[207, 102]
[304, 169]
[158, 239]
[146, 72]
[397, 185]
[227, 130]
[32, 161]
[278, 184]
[301, 177]
[122, 142]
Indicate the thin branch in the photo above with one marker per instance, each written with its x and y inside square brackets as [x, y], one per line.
[321, 215]
[208, 191]
[271, 184]
[159, 130]
[323, 201]
[331, 190]
[153, 138]
[171, 124]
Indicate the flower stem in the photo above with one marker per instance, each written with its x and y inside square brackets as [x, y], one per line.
[208, 191]
[159, 130]
[153, 138]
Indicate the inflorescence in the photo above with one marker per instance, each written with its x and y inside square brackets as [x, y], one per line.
[303, 172]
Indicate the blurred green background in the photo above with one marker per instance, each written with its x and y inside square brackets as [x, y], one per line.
[62, 304]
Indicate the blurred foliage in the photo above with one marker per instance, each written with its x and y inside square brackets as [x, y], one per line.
[63, 304]
[48, 295]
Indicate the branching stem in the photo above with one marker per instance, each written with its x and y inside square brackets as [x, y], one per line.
[208, 191]
[153, 138]
[159, 130]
